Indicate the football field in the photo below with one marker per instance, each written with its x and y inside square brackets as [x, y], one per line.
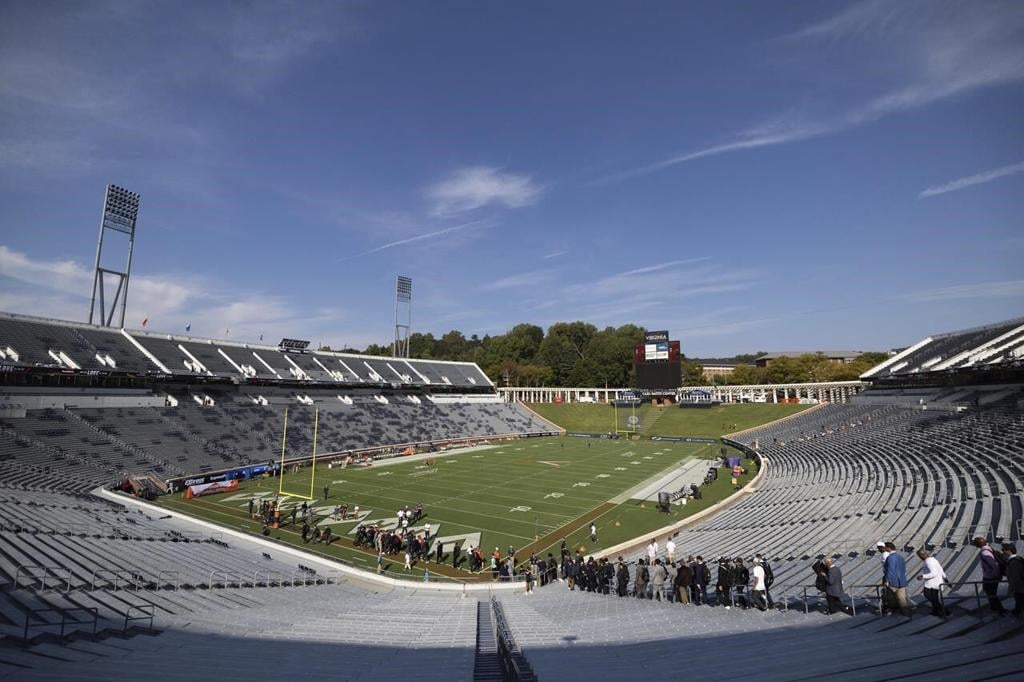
[527, 493]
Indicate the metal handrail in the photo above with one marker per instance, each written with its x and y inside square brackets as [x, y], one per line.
[147, 611]
[514, 665]
[117, 574]
[163, 576]
[64, 620]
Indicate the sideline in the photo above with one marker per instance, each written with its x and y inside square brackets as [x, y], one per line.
[668, 471]
[355, 573]
[638, 543]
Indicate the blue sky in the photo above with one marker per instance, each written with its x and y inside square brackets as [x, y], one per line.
[749, 175]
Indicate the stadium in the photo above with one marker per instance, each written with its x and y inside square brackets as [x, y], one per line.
[570, 464]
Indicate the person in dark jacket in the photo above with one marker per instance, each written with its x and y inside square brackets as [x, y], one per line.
[723, 586]
[684, 577]
[741, 577]
[1015, 576]
[834, 588]
[701, 578]
[640, 582]
[621, 578]
[991, 573]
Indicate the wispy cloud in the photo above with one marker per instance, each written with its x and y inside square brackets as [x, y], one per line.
[522, 279]
[1005, 289]
[971, 180]
[420, 237]
[556, 254]
[938, 50]
[477, 186]
[664, 266]
[622, 297]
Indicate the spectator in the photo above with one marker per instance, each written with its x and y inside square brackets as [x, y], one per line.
[658, 576]
[701, 578]
[741, 577]
[769, 579]
[991, 574]
[640, 583]
[652, 551]
[670, 548]
[1015, 576]
[758, 588]
[895, 579]
[670, 581]
[621, 578]
[934, 578]
[684, 579]
[723, 587]
[834, 587]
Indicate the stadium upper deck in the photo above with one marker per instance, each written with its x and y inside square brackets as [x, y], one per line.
[31, 342]
[966, 350]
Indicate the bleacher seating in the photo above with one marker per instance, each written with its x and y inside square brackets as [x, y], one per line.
[842, 477]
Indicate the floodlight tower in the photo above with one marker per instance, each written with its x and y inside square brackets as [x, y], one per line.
[403, 310]
[120, 210]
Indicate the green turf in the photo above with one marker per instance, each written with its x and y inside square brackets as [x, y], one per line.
[526, 493]
[510, 494]
[710, 422]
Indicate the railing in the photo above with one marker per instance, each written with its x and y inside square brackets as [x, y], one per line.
[58, 572]
[65, 620]
[146, 612]
[514, 666]
[168, 578]
[949, 594]
[132, 579]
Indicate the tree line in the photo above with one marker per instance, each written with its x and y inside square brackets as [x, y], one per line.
[580, 354]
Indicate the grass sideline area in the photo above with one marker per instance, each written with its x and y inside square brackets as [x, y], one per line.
[528, 493]
[711, 422]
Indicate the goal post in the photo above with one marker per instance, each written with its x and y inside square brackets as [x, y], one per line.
[626, 420]
[312, 467]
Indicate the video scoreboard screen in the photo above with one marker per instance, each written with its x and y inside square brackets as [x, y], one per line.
[656, 362]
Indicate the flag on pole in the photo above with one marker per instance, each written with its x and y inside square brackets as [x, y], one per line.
[145, 322]
[188, 326]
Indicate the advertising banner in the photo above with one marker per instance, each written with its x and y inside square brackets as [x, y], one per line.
[684, 439]
[211, 488]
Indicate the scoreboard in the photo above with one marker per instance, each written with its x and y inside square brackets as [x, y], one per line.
[656, 362]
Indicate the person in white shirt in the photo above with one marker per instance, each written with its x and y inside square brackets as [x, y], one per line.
[652, 552]
[758, 589]
[670, 547]
[934, 577]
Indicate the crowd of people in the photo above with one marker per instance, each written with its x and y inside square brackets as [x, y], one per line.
[747, 583]
[736, 581]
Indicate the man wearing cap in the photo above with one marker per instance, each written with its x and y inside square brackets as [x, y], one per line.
[895, 579]
[886, 605]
